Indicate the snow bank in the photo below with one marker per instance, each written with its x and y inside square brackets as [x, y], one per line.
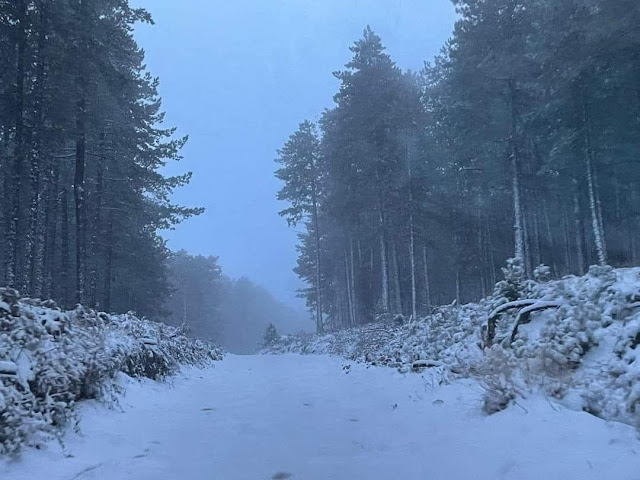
[573, 339]
[50, 359]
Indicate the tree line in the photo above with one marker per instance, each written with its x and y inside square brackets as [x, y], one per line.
[520, 141]
[231, 312]
[82, 146]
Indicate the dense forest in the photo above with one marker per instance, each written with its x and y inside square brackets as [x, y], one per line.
[518, 143]
[85, 200]
[81, 151]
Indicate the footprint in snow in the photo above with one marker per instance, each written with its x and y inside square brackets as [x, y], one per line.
[145, 453]
[281, 476]
[86, 470]
[208, 409]
[438, 403]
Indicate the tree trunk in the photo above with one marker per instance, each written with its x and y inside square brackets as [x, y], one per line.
[412, 248]
[36, 226]
[518, 228]
[316, 228]
[412, 253]
[577, 213]
[354, 303]
[397, 296]
[50, 232]
[96, 232]
[108, 266]
[347, 278]
[427, 290]
[384, 267]
[13, 256]
[64, 246]
[458, 285]
[79, 196]
[594, 202]
[550, 241]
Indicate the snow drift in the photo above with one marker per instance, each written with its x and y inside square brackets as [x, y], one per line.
[573, 339]
[50, 359]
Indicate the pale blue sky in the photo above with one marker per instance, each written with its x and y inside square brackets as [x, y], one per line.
[238, 76]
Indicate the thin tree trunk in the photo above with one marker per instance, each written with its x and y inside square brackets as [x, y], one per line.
[550, 241]
[354, 303]
[348, 289]
[527, 245]
[13, 256]
[427, 290]
[518, 228]
[594, 203]
[64, 246]
[537, 257]
[79, 196]
[580, 252]
[80, 165]
[108, 266]
[414, 300]
[36, 226]
[96, 231]
[412, 252]
[384, 268]
[51, 229]
[397, 297]
[316, 228]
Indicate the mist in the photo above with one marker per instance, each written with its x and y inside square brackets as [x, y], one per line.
[238, 81]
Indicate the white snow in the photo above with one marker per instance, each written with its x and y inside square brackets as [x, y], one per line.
[509, 305]
[9, 368]
[263, 417]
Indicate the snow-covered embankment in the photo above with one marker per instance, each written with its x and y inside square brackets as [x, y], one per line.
[51, 359]
[575, 340]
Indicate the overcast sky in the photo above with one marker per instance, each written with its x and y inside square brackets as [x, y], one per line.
[238, 76]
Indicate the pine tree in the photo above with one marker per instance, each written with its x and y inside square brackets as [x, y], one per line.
[301, 173]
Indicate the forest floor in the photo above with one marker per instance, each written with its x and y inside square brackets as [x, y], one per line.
[321, 417]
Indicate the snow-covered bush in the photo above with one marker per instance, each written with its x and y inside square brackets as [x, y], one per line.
[497, 376]
[579, 343]
[50, 359]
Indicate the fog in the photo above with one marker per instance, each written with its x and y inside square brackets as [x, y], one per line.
[238, 77]
[319, 239]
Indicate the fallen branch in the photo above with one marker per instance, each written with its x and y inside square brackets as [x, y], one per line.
[524, 315]
[495, 314]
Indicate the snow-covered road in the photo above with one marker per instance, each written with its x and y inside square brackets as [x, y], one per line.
[310, 418]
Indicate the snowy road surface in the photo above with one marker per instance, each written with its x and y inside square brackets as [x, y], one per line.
[305, 418]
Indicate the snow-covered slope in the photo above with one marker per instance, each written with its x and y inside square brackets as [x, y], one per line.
[580, 347]
[319, 418]
[51, 359]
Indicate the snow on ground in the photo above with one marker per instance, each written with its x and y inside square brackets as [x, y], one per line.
[320, 417]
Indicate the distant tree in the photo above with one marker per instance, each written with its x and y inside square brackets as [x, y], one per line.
[270, 335]
[196, 294]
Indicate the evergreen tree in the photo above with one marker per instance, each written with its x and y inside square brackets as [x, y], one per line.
[80, 157]
[301, 172]
[518, 141]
